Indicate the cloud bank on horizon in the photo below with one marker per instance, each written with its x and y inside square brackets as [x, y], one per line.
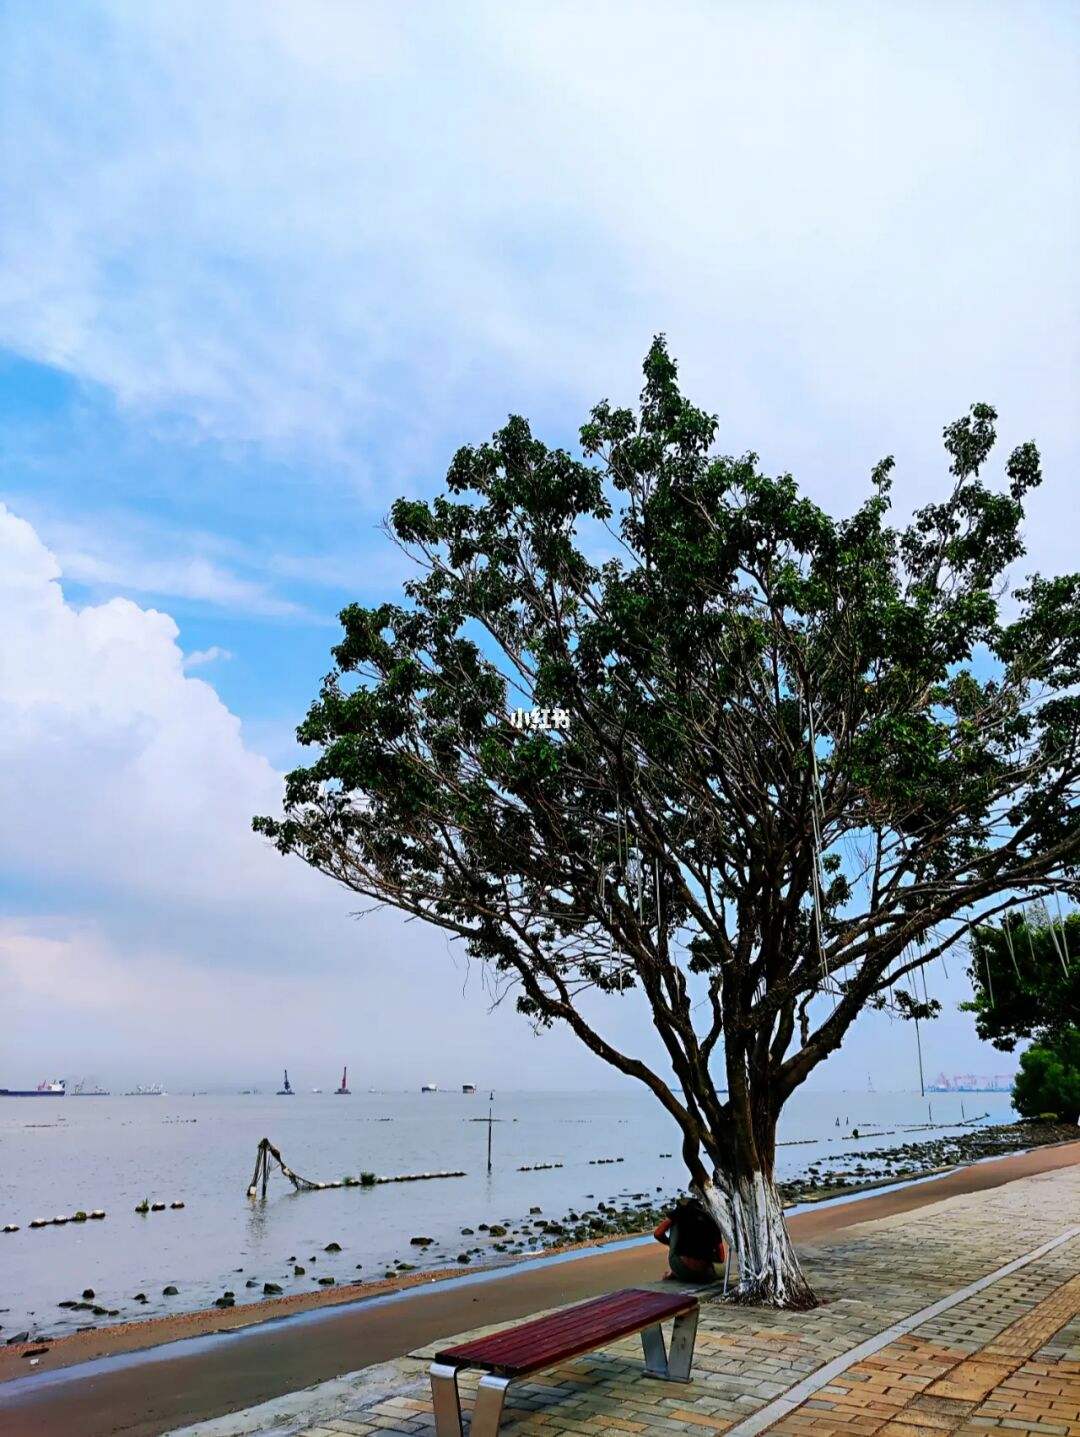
[263, 267]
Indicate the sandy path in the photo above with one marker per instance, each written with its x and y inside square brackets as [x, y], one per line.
[168, 1383]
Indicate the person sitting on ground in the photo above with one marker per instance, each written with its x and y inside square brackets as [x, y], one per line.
[694, 1242]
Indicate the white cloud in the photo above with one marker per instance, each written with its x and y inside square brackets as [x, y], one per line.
[198, 658]
[151, 1010]
[144, 923]
[122, 553]
[114, 765]
[127, 552]
[189, 577]
[309, 224]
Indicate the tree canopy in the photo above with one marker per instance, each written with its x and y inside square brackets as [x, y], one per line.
[797, 756]
[1025, 976]
[1049, 1077]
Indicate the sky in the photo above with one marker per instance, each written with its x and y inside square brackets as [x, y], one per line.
[264, 267]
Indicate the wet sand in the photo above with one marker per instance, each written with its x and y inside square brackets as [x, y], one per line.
[165, 1382]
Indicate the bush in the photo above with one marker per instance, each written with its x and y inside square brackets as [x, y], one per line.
[1049, 1078]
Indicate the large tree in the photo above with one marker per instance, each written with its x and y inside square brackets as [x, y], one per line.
[1025, 977]
[778, 762]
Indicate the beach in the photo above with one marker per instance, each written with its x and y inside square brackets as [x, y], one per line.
[147, 1378]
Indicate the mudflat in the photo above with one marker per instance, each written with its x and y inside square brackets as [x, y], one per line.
[158, 1381]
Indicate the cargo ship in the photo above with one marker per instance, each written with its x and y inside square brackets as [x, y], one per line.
[154, 1090]
[80, 1090]
[44, 1089]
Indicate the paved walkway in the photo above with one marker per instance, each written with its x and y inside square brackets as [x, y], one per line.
[961, 1318]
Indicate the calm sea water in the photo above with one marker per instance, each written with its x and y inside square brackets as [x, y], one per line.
[59, 1155]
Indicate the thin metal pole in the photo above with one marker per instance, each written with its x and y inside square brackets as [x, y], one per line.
[491, 1099]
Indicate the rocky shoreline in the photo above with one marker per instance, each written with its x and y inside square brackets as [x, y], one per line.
[1043, 1150]
[623, 1215]
[851, 1172]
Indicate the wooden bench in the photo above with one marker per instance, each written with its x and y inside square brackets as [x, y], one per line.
[546, 1341]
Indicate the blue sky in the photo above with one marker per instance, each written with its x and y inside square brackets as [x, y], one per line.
[262, 268]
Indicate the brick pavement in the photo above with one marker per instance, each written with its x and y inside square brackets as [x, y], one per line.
[1003, 1361]
[928, 1384]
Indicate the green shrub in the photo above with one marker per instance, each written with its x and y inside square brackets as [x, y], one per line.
[1049, 1078]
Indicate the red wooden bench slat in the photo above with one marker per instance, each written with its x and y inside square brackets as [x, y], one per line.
[556, 1333]
[566, 1334]
[517, 1351]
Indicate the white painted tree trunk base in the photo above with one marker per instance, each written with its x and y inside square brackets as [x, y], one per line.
[750, 1214]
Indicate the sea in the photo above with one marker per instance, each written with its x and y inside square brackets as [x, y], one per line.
[58, 1155]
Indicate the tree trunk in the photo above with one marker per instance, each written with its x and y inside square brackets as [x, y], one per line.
[749, 1212]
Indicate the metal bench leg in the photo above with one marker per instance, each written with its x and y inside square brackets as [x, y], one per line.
[652, 1343]
[487, 1410]
[683, 1333]
[445, 1400]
